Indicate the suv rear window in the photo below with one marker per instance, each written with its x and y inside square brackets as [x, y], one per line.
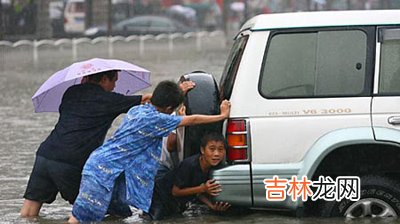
[315, 64]
[389, 78]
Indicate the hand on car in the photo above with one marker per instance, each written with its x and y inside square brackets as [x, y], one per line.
[211, 187]
[181, 111]
[186, 86]
[225, 108]
[146, 98]
[220, 206]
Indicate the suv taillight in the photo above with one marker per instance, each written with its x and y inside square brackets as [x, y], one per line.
[236, 135]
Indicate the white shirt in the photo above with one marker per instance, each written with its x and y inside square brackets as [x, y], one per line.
[166, 159]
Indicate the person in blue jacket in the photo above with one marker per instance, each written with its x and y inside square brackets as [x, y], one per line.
[121, 172]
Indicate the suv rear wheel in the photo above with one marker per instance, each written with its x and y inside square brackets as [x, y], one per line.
[380, 197]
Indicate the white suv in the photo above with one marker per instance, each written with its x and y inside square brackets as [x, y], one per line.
[313, 94]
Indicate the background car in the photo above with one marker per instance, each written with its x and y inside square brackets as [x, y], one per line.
[74, 17]
[141, 25]
[56, 14]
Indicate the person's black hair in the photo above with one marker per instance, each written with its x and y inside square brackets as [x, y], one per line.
[167, 94]
[212, 136]
[98, 76]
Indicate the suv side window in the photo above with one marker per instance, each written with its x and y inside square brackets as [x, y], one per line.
[231, 67]
[315, 64]
[389, 77]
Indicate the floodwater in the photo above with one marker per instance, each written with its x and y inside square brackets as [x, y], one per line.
[22, 130]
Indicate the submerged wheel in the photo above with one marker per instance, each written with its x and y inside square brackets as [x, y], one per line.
[370, 207]
[380, 197]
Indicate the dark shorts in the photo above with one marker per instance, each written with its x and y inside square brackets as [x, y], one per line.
[163, 204]
[49, 177]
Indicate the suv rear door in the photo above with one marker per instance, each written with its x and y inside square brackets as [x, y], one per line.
[312, 82]
[385, 107]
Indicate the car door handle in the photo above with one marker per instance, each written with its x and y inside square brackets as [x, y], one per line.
[394, 120]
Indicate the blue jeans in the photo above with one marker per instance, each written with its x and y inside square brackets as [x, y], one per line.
[95, 201]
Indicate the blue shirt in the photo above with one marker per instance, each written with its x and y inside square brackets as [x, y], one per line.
[134, 149]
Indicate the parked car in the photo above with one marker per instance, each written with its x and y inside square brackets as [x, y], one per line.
[74, 17]
[141, 25]
[313, 94]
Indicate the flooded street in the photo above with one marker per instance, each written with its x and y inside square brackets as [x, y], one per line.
[22, 130]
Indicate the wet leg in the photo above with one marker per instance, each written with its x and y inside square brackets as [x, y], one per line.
[30, 208]
[72, 220]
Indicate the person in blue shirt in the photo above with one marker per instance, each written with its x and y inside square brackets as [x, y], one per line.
[121, 171]
[190, 182]
[87, 111]
[169, 153]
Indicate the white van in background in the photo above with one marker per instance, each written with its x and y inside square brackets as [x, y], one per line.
[74, 17]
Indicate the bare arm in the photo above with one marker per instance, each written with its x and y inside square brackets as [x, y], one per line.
[171, 142]
[206, 201]
[204, 119]
[181, 192]
[210, 187]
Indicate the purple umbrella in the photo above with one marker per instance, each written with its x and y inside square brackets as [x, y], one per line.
[131, 79]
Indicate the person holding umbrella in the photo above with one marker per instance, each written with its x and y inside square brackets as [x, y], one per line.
[87, 111]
